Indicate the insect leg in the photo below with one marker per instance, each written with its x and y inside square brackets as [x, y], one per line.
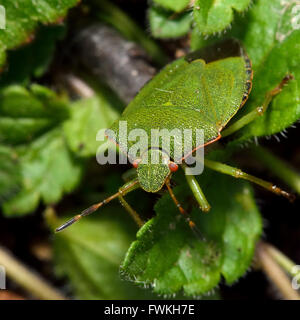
[130, 210]
[237, 173]
[178, 205]
[259, 111]
[126, 188]
[183, 212]
[198, 193]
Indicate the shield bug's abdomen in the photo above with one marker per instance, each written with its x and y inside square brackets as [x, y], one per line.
[203, 90]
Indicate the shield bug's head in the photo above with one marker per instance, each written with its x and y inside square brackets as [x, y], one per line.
[153, 169]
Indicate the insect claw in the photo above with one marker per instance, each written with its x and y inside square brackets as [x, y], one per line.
[290, 196]
[287, 78]
[192, 224]
[196, 231]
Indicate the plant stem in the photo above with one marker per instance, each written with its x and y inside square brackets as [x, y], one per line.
[279, 167]
[286, 263]
[27, 279]
[273, 271]
[112, 15]
[77, 85]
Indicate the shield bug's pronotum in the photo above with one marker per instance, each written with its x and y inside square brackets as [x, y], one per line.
[203, 90]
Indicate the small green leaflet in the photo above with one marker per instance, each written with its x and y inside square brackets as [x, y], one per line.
[214, 16]
[27, 113]
[48, 171]
[169, 257]
[88, 116]
[23, 17]
[164, 24]
[31, 61]
[175, 5]
[171, 19]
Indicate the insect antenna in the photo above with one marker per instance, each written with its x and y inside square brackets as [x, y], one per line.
[122, 191]
[84, 213]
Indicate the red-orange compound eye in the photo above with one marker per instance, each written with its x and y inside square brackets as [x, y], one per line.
[135, 163]
[173, 166]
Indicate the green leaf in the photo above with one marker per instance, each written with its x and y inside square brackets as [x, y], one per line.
[90, 253]
[175, 5]
[48, 171]
[24, 16]
[164, 24]
[10, 177]
[32, 60]
[270, 35]
[25, 114]
[169, 256]
[214, 16]
[279, 56]
[88, 116]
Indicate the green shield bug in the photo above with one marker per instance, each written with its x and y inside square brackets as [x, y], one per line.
[203, 90]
